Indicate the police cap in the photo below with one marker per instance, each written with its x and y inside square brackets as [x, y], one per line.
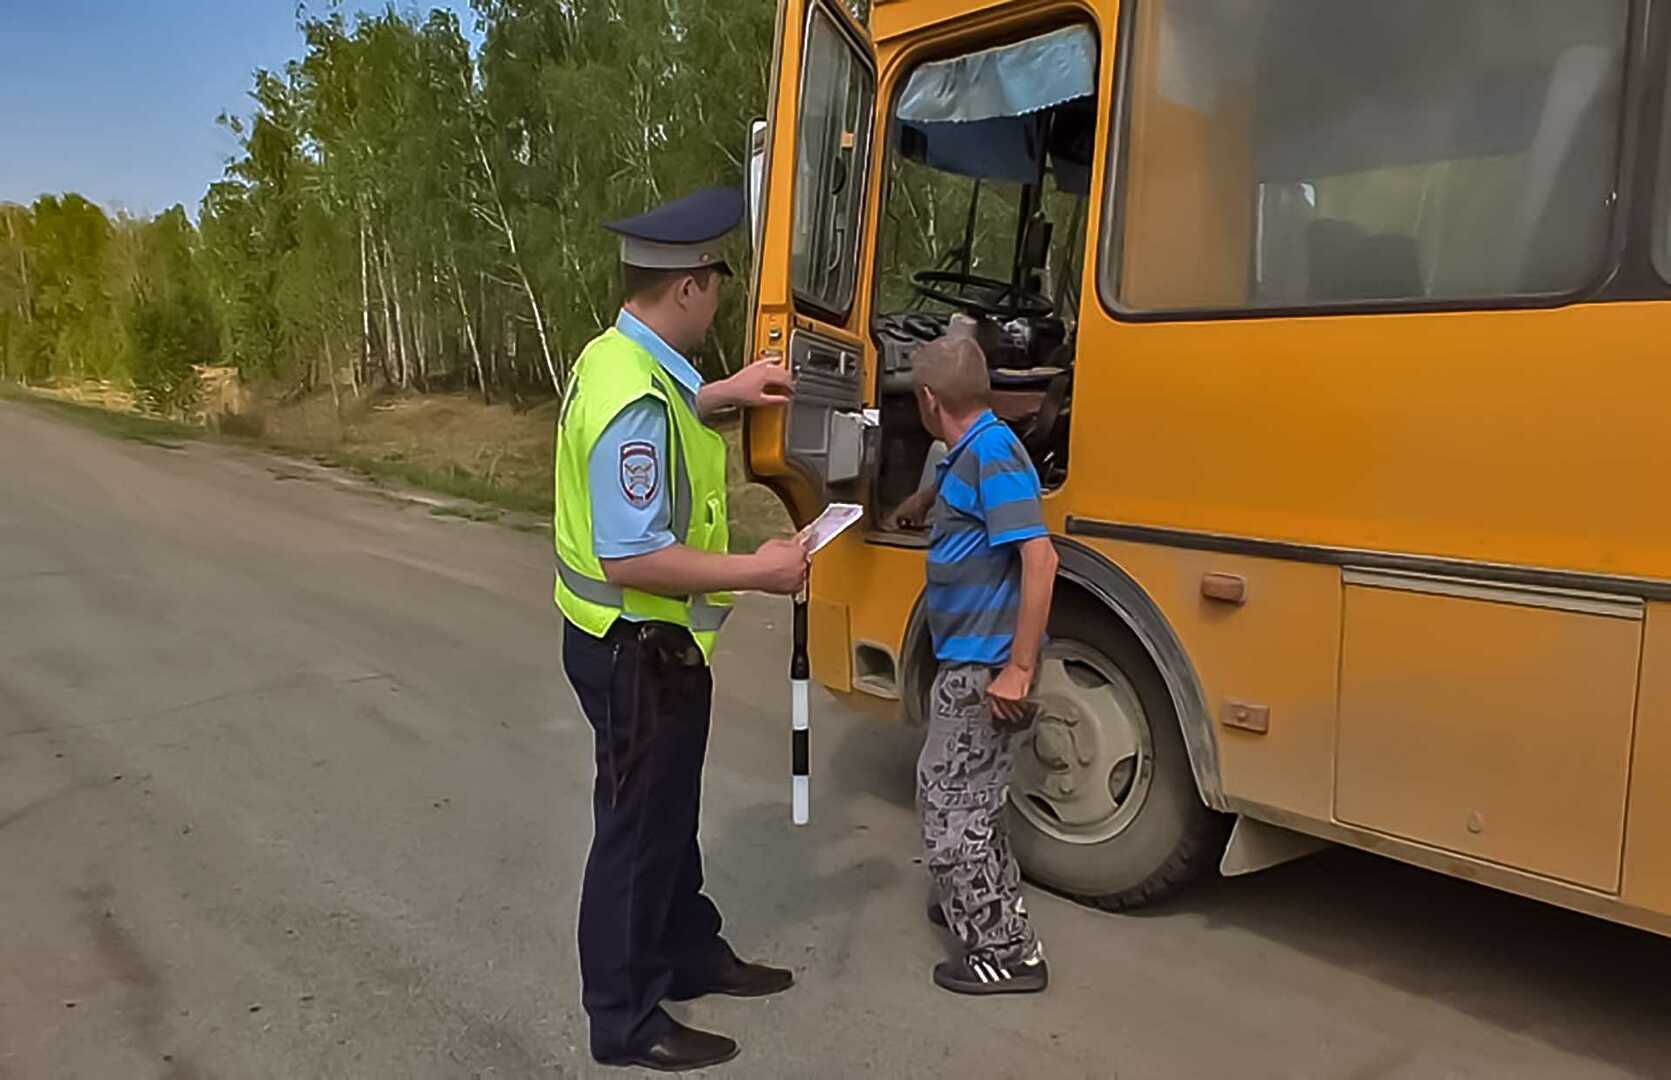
[681, 235]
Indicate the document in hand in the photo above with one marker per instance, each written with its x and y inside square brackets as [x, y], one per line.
[835, 520]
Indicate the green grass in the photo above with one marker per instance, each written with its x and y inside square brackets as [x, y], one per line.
[756, 516]
[449, 481]
[143, 429]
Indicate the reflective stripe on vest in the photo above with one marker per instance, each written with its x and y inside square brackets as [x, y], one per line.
[681, 480]
[703, 615]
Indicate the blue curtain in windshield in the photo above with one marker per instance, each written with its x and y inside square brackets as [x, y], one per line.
[983, 114]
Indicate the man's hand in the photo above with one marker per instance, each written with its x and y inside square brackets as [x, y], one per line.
[763, 382]
[780, 566]
[912, 512]
[1008, 695]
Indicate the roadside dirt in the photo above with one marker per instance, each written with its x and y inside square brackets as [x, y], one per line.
[452, 444]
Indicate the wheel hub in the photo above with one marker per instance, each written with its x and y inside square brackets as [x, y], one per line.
[1085, 772]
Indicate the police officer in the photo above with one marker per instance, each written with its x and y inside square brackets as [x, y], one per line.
[644, 577]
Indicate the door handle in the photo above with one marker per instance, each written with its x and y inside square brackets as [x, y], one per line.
[1224, 588]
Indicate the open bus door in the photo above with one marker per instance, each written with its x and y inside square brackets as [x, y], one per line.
[809, 175]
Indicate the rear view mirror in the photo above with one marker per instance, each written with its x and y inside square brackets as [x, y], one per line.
[754, 179]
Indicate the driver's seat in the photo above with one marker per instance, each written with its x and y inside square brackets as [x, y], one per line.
[1049, 425]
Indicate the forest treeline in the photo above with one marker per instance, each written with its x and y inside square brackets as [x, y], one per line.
[404, 209]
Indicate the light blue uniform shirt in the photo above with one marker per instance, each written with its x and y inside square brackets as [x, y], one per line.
[632, 511]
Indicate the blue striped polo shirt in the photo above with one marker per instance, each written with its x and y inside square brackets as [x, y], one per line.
[988, 504]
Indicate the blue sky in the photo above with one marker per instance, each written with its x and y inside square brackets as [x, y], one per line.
[117, 99]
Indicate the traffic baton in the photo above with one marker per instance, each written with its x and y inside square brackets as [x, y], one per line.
[800, 734]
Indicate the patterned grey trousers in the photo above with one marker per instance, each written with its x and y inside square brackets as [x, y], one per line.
[963, 779]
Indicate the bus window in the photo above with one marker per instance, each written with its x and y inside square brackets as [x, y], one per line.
[1284, 154]
[829, 180]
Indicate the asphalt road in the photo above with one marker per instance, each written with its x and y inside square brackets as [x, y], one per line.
[291, 786]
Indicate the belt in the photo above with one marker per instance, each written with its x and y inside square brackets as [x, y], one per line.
[669, 644]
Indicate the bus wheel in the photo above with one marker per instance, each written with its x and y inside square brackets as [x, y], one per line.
[1103, 805]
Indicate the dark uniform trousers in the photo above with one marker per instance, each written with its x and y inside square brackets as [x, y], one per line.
[646, 929]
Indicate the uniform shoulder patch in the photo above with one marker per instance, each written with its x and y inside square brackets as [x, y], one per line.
[640, 472]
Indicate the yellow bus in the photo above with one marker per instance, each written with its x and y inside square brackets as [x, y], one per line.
[1333, 329]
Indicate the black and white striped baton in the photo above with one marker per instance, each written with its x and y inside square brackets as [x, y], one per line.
[836, 519]
[800, 734]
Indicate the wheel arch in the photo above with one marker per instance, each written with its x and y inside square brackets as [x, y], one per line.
[916, 665]
[1111, 587]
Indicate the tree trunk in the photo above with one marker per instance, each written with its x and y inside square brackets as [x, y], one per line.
[510, 356]
[331, 374]
[307, 371]
[365, 315]
[393, 292]
[573, 258]
[447, 363]
[470, 335]
[354, 377]
[505, 226]
[386, 353]
[481, 305]
[539, 326]
[420, 358]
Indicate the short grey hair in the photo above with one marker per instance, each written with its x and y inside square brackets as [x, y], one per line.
[954, 368]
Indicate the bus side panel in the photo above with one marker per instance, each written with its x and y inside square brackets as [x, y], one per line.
[1647, 876]
[863, 593]
[1461, 715]
[1278, 651]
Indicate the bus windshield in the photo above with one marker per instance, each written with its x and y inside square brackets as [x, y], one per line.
[984, 216]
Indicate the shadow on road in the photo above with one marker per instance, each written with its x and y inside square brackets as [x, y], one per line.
[1571, 981]
[799, 885]
[877, 758]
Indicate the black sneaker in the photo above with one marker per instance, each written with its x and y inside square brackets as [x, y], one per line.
[978, 975]
[937, 915]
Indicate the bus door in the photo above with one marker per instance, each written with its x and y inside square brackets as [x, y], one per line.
[810, 173]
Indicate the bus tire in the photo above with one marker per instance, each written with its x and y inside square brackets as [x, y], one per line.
[1103, 804]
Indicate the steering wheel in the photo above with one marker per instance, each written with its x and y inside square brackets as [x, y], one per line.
[951, 287]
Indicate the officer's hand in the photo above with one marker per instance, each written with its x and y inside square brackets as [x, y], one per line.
[760, 383]
[781, 566]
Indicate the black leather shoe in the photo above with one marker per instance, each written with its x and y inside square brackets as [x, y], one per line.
[735, 978]
[680, 1050]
